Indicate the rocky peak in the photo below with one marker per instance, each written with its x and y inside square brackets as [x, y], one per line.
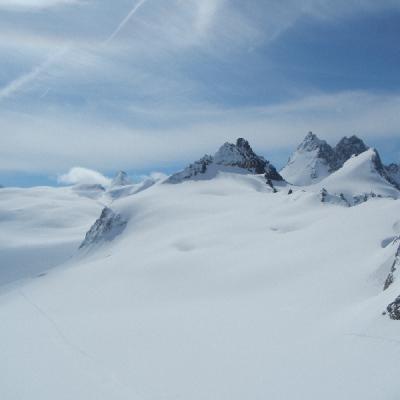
[382, 170]
[323, 150]
[348, 147]
[311, 142]
[313, 160]
[238, 155]
[106, 228]
[393, 172]
[121, 179]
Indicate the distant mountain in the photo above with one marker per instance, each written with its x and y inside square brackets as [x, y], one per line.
[238, 157]
[121, 179]
[315, 159]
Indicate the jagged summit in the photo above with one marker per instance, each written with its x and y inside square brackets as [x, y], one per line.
[121, 179]
[348, 147]
[313, 160]
[240, 155]
[312, 142]
[230, 158]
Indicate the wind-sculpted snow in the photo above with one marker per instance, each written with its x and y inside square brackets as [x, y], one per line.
[109, 225]
[41, 228]
[238, 157]
[223, 288]
[216, 289]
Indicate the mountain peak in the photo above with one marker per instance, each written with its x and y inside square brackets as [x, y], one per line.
[311, 142]
[240, 155]
[121, 179]
[229, 155]
[313, 160]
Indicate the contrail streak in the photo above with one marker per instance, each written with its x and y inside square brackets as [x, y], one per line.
[125, 21]
[24, 80]
[29, 77]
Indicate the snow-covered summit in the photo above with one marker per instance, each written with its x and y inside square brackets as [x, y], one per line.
[238, 157]
[121, 179]
[313, 160]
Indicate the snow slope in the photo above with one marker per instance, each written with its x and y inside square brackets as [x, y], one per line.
[360, 176]
[41, 227]
[217, 289]
[312, 161]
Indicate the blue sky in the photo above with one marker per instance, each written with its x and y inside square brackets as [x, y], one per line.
[153, 84]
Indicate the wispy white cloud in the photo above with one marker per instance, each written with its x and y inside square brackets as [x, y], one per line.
[79, 175]
[19, 83]
[108, 145]
[112, 106]
[21, 5]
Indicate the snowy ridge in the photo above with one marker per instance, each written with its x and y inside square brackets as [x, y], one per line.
[315, 159]
[360, 179]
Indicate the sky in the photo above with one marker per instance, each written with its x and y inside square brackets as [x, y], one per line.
[150, 85]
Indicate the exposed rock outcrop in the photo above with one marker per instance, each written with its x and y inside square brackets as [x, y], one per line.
[347, 148]
[393, 309]
[106, 228]
[391, 277]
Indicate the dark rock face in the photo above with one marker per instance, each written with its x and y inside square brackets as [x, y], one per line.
[393, 171]
[348, 147]
[106, 228]
[391, 277]
[239, 155]
[393, 309]
[271, 172]
[380, 168]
